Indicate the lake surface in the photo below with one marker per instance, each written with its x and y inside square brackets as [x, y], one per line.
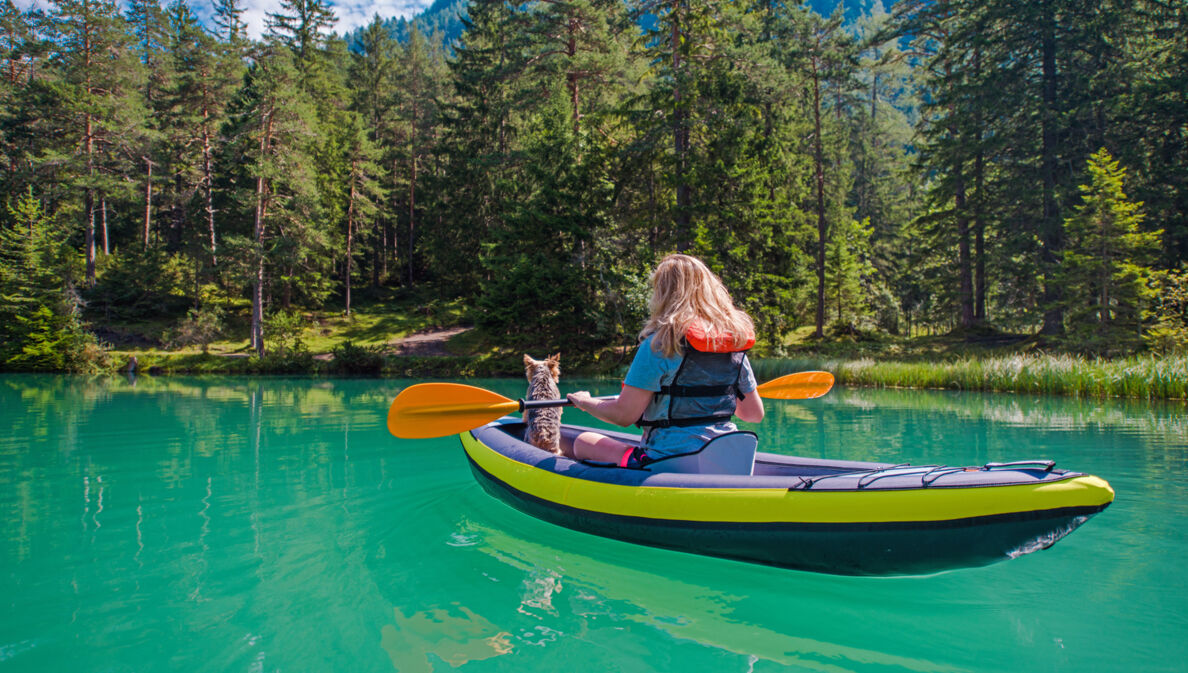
[229, 524]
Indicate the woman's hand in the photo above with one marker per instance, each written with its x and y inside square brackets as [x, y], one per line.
[622, 410]
[580, 399]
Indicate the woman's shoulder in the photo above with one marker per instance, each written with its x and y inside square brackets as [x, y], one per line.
[649, 348]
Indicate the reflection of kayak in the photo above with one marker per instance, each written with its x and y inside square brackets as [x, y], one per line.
[840, 517]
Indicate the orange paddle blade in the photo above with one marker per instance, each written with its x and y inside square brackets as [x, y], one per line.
[798, 386]
[429, 410]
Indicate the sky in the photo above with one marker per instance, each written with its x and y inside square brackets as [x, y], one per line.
[351, 13]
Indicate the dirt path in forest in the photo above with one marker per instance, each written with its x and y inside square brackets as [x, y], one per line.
[427, 343]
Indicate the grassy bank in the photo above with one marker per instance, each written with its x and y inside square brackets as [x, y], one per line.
[374, 341]
[1141, 377]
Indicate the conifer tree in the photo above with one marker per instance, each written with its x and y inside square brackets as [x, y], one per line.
[205, 75]
[97, 102]
[274, 127]
[1105, 269]
[365, 192]
[479, 128]
[374, 70]
[824, 55]
[39, 322]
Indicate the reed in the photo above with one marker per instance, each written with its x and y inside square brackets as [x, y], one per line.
[1142, 377]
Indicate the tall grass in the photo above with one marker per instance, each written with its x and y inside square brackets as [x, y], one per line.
[1143, 377]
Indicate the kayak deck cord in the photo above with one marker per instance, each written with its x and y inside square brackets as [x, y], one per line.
[929, 474]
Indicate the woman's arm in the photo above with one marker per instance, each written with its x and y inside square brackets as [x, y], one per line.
[750, 407]
[622, 410]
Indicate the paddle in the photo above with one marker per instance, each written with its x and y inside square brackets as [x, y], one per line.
[429, 410]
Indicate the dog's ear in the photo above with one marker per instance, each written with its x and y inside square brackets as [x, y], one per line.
[555, 358]
[528, 361]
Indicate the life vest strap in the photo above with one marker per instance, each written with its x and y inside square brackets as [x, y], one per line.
[698, 391]
[684, 422]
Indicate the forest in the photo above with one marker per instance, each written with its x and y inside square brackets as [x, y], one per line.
[946, 166]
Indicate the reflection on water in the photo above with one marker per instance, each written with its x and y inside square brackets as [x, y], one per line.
[236, 524]
[454, 634]
[658, 601]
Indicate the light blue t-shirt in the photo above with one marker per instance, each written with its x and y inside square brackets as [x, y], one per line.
[650, 370]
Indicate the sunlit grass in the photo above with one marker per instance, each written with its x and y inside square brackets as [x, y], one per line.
[1144, 377]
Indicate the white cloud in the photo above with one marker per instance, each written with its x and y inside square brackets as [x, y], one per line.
[350, 13]
[354, 13]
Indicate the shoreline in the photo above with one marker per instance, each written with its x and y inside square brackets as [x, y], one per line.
[1145, 377]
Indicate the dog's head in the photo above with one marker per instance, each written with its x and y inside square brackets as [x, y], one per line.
[552, 366]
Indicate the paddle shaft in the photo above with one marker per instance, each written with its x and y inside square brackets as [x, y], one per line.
[545, 404]
[428, 410]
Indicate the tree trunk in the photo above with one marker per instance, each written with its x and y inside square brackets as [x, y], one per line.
[148, 200]
[89, 148]
[412, 196]
[680, 140]
[349, 238]
[1051, 232]
[964, 267]
[257, 329]
[89, 199]
[819, 174]
[103, 219]
[208, 184]
[979, 205]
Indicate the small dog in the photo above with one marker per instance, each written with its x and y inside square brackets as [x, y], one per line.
[544, 425]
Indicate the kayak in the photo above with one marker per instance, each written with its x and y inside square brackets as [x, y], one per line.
[832, 516]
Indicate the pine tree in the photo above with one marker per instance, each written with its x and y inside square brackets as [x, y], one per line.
[685, 37]
[232, 31]
[39, 324]
[573, 40]
[479, 128]
[365, 192]
[274, 127]
[825, 55]
[1104, 270]
[374, 71]
[205, 74]
[537, 282]
[97, 101]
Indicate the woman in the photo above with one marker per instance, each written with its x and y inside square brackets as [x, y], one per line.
[689, 376]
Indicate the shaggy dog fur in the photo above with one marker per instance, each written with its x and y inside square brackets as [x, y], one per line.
[544, 425]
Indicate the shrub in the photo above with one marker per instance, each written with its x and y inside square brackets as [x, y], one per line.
[1169, 333]
[284, 362]
[282, 333]
[352, 359]
[200, 327]
[136, 284]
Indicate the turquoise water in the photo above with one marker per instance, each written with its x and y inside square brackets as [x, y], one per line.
[274, 525]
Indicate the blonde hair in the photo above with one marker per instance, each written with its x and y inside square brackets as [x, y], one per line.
[686, 293]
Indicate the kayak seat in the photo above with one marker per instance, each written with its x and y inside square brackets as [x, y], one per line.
[731, 453]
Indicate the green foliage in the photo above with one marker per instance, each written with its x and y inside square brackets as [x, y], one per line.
[847, 257]
[1104, 274]
[282, 333]
[55, 343]
[539, 286]
[39, 323]
[286, 362]
[136, 284]
[200, 327]
[1168, 331]
[535, 170]
[1145, 377]
[351, 359]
